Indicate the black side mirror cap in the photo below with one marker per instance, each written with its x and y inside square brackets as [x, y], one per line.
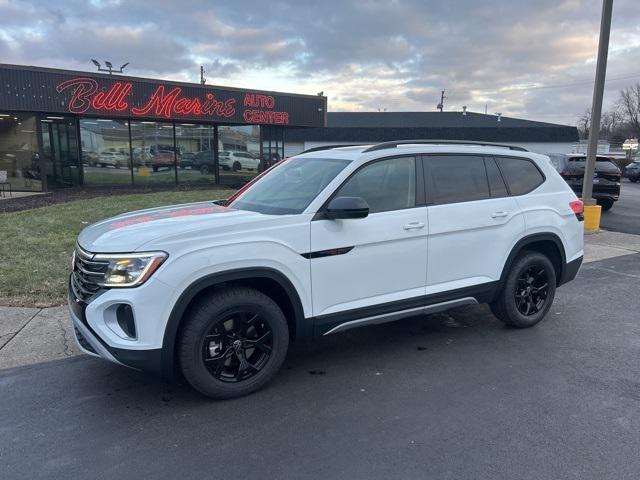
[347, 207]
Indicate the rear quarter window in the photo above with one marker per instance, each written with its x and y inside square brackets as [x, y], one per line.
[522, 175]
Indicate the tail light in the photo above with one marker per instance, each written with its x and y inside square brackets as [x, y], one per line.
[577, 207]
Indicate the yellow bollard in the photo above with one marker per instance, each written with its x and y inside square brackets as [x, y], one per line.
[592, 217]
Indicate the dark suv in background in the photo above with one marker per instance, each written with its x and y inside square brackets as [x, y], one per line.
[606, 178]
[632, 172]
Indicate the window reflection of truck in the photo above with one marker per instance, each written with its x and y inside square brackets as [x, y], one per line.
[163, 158]
[156, 156]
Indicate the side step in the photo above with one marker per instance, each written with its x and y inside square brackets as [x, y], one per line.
[411, 312]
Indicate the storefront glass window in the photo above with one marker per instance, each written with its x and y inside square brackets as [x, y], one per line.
[154, 153]
[196, 160]
[19, 157]
[272, 145]
[105, 152]
[239, 154]
[60, 155]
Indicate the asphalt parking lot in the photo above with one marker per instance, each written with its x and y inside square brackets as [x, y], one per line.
[625, 215]
[447, 396]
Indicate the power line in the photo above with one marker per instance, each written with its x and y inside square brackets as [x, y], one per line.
[586, 82]
[564, 85]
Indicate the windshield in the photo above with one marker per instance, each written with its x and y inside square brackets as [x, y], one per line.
[290, 187]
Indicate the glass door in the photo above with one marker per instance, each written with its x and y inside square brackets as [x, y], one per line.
[60, 149]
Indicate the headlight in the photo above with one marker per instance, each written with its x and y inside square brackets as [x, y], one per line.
[130, 270]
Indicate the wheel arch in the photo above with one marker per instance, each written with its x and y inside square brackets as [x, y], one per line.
[549, 244]
[267, 280]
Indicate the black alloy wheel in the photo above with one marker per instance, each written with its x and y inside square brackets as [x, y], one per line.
[238, 346]
[233, 342]
[527, 292]
[531, 290]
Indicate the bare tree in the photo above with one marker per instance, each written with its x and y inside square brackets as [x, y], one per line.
[629, 104]
[584, 124]
[611, 123]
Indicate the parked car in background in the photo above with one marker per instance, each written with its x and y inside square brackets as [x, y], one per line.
[112, 159]
[606, 178]
[163, 158]
[632, 172]
[91, 158]
[186, 160]
[238, 161]
[270, 159]
[204, 162]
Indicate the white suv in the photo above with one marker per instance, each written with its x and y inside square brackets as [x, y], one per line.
[321, 243]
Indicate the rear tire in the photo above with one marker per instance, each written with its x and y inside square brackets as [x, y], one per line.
[236, 166]
[606, 204]
[528, 291]
[204, 170]
[233, 343]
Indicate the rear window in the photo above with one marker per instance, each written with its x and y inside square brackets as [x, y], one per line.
[522, 175]
[603, 164]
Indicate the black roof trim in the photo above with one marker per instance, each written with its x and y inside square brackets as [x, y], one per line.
[397, 143]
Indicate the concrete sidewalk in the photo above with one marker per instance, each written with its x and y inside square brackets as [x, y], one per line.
[34, 335]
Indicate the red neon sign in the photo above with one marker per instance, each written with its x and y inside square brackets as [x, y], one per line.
[86, 95]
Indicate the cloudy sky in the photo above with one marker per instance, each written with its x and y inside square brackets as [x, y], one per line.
[532, 59]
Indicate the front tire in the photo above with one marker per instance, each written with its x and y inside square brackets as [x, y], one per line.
[528, 291]
[233, 343]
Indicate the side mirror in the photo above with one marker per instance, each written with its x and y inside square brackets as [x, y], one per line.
[347, 207]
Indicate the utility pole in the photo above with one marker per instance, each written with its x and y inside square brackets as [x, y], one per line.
[441, 104]
[202, 79]
[596, 108]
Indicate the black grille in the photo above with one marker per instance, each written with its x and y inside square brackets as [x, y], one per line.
[88, 274]
[83, 341]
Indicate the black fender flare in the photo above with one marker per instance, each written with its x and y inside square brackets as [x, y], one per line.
[528, 240]
[190, 292]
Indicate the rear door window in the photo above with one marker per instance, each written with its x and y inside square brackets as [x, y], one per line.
[456, 178]
[522, 175]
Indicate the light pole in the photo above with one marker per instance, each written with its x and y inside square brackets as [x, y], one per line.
[592, 212]
[109, 68]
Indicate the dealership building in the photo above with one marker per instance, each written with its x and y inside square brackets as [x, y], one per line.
[61, 128]
[344, 128]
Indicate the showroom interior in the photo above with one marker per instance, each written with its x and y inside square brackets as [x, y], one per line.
[78, 129]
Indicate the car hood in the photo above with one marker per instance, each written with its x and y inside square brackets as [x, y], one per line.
[132, 231]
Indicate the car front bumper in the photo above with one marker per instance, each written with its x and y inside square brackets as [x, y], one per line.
[95, 336]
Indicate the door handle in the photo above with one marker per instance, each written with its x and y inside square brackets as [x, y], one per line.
[414, 226]
[499, 214]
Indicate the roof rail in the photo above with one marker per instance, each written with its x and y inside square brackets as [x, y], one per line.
[396, 143]
[329, 147]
